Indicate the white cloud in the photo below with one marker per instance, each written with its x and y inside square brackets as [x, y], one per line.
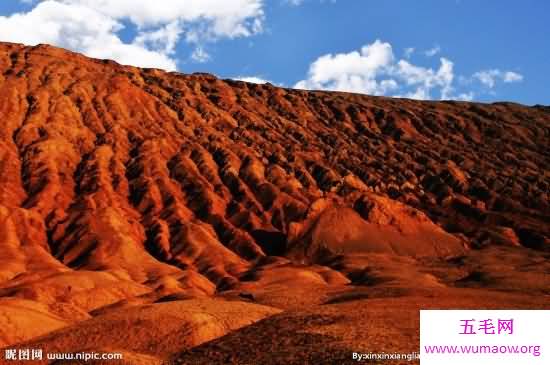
[375, 70]
[425, 79]
[199, 55]
[489, 78]
[468, 96]
[92, 27]
[433, 51]
[510, 76]
[228, 17]
[355, 71]
[253, 79]
[163, 39]
[408, 52]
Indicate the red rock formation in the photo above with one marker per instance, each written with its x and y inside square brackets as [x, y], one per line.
[122, 186]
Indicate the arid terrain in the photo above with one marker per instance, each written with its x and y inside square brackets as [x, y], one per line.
[184, 219]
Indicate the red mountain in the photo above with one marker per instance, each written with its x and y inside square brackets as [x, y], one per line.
[149, 213]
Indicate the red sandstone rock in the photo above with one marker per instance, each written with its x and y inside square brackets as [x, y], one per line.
[123, 187]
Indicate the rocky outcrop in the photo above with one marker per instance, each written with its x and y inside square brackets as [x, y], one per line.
[122, 186]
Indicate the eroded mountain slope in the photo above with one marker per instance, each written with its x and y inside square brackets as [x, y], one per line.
[121, 186]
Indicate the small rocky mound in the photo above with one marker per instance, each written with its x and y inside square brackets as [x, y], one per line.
[377, 225]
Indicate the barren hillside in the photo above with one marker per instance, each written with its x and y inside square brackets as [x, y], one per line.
[159, 211]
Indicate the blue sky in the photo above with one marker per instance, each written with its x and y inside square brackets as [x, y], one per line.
[453, 49]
